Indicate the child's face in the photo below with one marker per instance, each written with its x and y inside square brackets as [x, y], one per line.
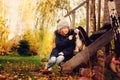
[64, 30]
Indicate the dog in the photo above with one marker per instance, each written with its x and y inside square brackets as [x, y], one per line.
[81, 39]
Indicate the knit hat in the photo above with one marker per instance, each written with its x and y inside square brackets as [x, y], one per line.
[63, 23]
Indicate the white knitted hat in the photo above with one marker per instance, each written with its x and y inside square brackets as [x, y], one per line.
[63, 23]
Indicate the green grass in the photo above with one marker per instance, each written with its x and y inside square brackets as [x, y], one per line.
[22, 66]
[16, 59]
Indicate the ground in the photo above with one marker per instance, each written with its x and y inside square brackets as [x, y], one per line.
[15, 67]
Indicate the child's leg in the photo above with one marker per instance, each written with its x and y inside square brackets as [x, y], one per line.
[60, 59]
[51, 62]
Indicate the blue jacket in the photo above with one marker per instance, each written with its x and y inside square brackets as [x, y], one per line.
[63, 44]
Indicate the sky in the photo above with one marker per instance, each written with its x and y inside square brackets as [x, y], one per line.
[14, 13]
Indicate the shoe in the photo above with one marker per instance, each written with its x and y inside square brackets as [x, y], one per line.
[50, 69]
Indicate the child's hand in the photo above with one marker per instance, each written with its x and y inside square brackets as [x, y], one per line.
[70, 37]
[61, 54]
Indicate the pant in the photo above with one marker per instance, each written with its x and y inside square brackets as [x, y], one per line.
[54, 60]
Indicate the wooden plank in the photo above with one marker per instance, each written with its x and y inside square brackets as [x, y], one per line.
[73, 19]
[106, 13]
[87, 16]
[99, 13]
[69, 13]
[84, 55]
[75, 8]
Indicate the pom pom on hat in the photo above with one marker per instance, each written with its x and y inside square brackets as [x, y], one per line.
[63, 23]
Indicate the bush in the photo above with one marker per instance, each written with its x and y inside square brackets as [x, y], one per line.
[33, 41]
[24, 48]
[14, 48]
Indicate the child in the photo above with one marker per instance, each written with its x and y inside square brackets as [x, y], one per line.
[64, 45]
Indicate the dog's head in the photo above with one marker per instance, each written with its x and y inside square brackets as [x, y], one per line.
[76, 31]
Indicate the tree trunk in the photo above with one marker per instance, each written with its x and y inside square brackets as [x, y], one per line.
[84, 55]
[92, 18]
